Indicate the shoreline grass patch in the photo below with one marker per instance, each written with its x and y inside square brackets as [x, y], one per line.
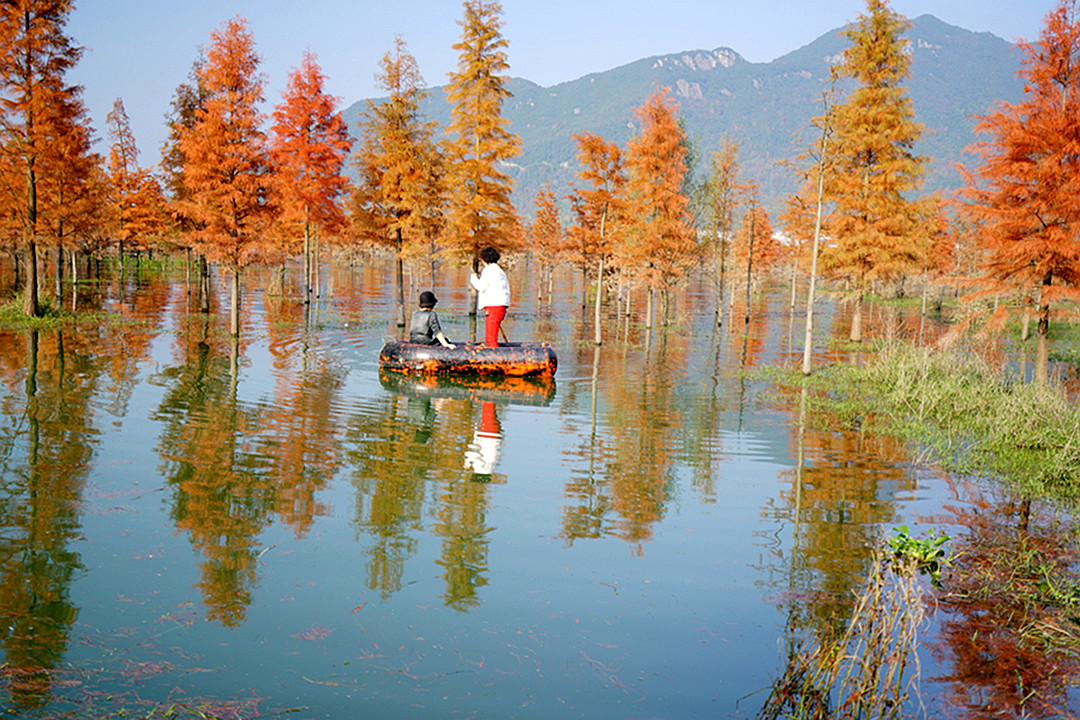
[962, 414]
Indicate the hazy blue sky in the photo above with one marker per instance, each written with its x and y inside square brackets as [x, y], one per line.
[140, 50]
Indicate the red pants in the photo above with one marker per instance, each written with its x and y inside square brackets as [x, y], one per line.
[492, 321]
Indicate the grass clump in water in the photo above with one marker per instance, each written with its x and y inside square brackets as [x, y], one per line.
[12, 316]
[966, 416]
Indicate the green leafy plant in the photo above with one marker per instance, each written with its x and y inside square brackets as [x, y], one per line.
[926, 552]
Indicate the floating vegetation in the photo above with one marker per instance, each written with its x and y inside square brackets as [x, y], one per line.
[926, 553]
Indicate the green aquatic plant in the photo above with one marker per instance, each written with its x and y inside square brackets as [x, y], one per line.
[924, 552]
[12, 316]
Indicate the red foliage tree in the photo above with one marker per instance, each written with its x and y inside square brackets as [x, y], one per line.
[35, 55]
[398, 197]
[480, 211]
[309, 145]
[137, 201]
[872, 165]
[1028, 202]
[597, 211]
[661, 247]
[225, 157]
[545, 237]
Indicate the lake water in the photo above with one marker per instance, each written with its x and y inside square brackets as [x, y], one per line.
[277, 529]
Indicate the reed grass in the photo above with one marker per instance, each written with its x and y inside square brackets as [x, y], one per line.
[872, 669]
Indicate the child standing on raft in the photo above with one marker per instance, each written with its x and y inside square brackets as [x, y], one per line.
[494, 294]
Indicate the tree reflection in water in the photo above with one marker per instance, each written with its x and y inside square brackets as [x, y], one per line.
[44, 450]
[439, 436]
[1008, 627]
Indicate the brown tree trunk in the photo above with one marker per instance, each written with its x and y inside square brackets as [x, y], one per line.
[1042, 343]
[234, 302]
[856, 318]
[399, 276]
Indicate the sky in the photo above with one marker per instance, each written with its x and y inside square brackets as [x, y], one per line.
[141, 50]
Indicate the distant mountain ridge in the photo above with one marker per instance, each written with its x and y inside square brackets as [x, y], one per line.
[956, 75]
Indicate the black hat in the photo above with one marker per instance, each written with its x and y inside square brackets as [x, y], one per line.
[428, 299]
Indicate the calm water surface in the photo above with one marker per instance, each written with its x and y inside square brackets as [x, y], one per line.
[277, 529]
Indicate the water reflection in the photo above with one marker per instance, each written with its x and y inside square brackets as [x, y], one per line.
[483, 452]
[219, 496]
[468, 507]
[1007, 637]
[433, 439]
[46, 445]
[842, 491]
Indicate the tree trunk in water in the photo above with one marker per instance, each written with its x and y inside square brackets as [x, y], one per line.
[1042, 346]
[204, 285]
[474, 295]
[315, 267]
[749, 268]
[399, 276]
[719, 283]
[74, 281]
[794, 284]
[234, 303]
[856, 319]
[58, 274]
[307, 265]
[30, 296]
[597, 334]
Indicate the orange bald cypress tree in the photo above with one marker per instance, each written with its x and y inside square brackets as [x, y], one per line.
[1029, 201]
[598, 210]
[662, 247]
[545, 237]
[756, 249]
[309, 145]
[872, 163]
[35, 55]
[480, 211]
[138, 204]
[66, 190]
[722, 196]
[225, 157]
[398, 196]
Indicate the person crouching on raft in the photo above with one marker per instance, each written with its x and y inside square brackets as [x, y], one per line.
[424, 325]
[493, 294]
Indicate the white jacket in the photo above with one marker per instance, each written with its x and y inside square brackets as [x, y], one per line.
[492, 286]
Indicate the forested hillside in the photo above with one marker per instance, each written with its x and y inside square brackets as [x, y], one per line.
[956, 74]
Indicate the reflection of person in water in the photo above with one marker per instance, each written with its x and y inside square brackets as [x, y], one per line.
[421, 414]
[483, 451]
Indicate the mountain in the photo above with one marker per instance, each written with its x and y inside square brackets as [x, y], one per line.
[956, 74]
